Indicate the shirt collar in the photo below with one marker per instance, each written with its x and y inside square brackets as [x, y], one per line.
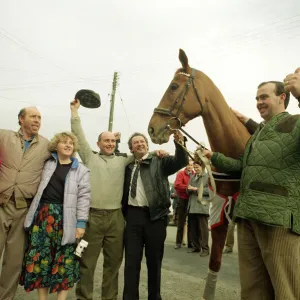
[105, 155]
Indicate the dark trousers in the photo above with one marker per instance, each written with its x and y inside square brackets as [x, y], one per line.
[141, 232]
[182, 213]
[189, 233]
[199, 231]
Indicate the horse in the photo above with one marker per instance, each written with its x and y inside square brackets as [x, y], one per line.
[191, 94]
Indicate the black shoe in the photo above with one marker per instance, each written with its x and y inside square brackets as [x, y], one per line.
[193, 250]
[177, 246]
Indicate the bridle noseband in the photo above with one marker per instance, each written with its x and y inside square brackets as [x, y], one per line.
[180, 101]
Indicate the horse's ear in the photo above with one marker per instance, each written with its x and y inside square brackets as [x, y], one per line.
[184, 60]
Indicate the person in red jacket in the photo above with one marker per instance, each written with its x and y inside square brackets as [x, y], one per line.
[180, 185]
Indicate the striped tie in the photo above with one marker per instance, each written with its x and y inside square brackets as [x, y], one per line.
[134, 180]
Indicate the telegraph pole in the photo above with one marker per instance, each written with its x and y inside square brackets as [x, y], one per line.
[112, 101]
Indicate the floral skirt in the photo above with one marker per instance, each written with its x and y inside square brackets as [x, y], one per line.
[48, 264]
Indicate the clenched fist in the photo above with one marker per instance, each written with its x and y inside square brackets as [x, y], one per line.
[292, 83]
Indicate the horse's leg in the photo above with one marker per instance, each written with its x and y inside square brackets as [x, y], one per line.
[218, 235]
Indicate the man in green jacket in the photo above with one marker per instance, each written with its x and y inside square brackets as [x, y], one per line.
[268, 208]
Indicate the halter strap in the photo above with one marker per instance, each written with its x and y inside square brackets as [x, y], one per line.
[181, 99]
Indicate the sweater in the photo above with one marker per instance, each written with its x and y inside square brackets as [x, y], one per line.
[107, 171]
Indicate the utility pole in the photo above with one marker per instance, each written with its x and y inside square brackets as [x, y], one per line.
[112, 101]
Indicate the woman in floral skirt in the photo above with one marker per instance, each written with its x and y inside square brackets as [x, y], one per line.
[56, 218]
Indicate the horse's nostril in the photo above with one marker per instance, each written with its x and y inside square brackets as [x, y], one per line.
[150, 130]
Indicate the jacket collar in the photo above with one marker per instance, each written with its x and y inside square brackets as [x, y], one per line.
[275, 118]
[199, 176]
[187, 173]
[75, 163]
[146, 161]
[34, 139]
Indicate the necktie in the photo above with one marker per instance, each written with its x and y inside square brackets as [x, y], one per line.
[134, 181]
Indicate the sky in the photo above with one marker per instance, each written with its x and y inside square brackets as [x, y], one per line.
[51, 49]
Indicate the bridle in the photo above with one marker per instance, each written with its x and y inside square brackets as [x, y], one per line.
[179, 101]
[178, 104]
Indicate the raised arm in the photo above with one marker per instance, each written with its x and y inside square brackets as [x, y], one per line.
[292, 84]
[171, 164]
[85, 151]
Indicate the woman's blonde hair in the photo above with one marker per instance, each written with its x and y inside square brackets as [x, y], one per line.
[61, 137]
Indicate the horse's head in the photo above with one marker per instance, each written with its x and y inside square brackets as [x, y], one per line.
[182, 102]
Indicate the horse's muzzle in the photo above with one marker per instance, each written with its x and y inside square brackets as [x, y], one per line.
[160, 136]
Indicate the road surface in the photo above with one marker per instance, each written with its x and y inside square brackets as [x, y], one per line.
[183, 276]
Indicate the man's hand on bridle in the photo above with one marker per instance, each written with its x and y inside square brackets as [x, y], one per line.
[178, 136]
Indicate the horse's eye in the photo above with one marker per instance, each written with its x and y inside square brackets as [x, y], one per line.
[174, 86]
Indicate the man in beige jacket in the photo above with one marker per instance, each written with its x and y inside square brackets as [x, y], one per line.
[23, 154]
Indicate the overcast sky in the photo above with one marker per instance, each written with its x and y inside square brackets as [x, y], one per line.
[51, 49]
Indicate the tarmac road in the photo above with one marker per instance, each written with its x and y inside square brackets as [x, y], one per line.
[183, 276]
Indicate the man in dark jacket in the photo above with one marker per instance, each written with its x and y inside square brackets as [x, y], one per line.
[146, 203]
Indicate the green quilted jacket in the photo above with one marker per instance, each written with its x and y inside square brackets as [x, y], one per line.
[270, 183]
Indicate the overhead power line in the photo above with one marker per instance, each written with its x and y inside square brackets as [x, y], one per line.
[21, 45]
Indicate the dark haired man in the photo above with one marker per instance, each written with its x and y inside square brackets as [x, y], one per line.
[146, 202]
[268, 211]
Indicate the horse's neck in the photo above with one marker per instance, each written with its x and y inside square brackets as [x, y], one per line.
[225, 132]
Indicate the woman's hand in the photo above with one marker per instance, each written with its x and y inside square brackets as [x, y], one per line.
[79, 233]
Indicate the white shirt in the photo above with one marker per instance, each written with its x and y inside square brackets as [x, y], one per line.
[140, 198]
